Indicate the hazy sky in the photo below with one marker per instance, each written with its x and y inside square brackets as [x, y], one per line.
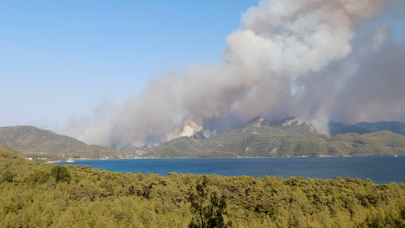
[59, 58]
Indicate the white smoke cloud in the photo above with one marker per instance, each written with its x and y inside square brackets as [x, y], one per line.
[282, 44]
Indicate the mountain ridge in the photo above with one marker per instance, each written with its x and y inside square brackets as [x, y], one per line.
[33, 140]
[366, 128]
[289, 137]
[384, 143]
[259, 137]
[289, 125]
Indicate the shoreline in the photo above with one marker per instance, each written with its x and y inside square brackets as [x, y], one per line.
[150, 158]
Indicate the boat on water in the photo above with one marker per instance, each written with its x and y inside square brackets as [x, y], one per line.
[52, 162]
[395, 156]
[70, 159]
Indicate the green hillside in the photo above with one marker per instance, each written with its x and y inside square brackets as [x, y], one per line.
[290, 125]
[258, 138]
[244, 144]
[393, 126]
[34, 194]
[32, 140]
[366, 128]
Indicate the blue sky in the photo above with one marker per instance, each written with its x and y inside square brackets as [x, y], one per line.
[59, 58]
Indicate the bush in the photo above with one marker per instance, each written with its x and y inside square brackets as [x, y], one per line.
[7, 176]
[38, 177]
[60, 173]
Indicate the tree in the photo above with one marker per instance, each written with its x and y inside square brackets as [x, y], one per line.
[38, 177]
[60, 173]
[7, 176]
[207, 214]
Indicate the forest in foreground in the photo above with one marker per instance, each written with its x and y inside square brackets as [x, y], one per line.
[34, 194]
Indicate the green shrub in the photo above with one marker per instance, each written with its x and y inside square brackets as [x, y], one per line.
[7, 176]
[38, 177]
[60, 173]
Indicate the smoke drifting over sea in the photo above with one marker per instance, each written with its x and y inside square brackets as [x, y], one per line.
[315, 59]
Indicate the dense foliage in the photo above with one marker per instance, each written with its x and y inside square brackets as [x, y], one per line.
[95, 198]
[60, 173]
[242, 144]
[209, 214]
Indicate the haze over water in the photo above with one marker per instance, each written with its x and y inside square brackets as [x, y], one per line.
[381, 170]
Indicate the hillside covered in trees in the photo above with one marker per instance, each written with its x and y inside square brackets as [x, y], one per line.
[34, 194]
[289, 137]
[365, 128]
[259, 137]
[241, 144]
[32, 140]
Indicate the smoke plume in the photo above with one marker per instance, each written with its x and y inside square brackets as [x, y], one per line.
[315, 59]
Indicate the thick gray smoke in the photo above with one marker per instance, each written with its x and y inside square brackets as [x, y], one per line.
[314, 59]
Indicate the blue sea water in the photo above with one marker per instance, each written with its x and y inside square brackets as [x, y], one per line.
[380, 170]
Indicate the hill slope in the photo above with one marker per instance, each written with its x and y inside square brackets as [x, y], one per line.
[393, 126]
[288, 138]
[290, 125]
[366, 128]
[30, 139]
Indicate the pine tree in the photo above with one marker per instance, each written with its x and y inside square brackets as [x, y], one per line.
[207, 214]
[60, 173]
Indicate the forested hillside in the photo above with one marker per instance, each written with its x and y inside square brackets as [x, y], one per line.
[289, 137]
[242, 144]
[35, 194]
[365, 128]
[32, 140]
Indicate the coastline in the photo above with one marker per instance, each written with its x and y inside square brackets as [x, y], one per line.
[239, 157]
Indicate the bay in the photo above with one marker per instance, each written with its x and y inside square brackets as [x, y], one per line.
[381, 170]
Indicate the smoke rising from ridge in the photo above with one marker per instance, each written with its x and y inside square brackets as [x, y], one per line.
[315, 59]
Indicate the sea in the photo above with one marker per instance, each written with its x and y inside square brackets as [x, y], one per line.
[381, 170]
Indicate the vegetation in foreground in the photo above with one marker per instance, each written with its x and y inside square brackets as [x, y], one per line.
[34, 194]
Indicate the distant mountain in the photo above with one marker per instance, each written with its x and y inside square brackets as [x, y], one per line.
[246, 144]
[28, 139]
[259, 137]
[289, 125]
[288, 137]
[366, 128]
[336, 128]
[259, 121]
[334, 125]
[393, 126]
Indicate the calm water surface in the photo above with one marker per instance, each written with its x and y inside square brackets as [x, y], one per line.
[379, 169]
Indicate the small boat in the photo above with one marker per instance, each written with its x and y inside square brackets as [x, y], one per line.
[395, 156]
[70, 159]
